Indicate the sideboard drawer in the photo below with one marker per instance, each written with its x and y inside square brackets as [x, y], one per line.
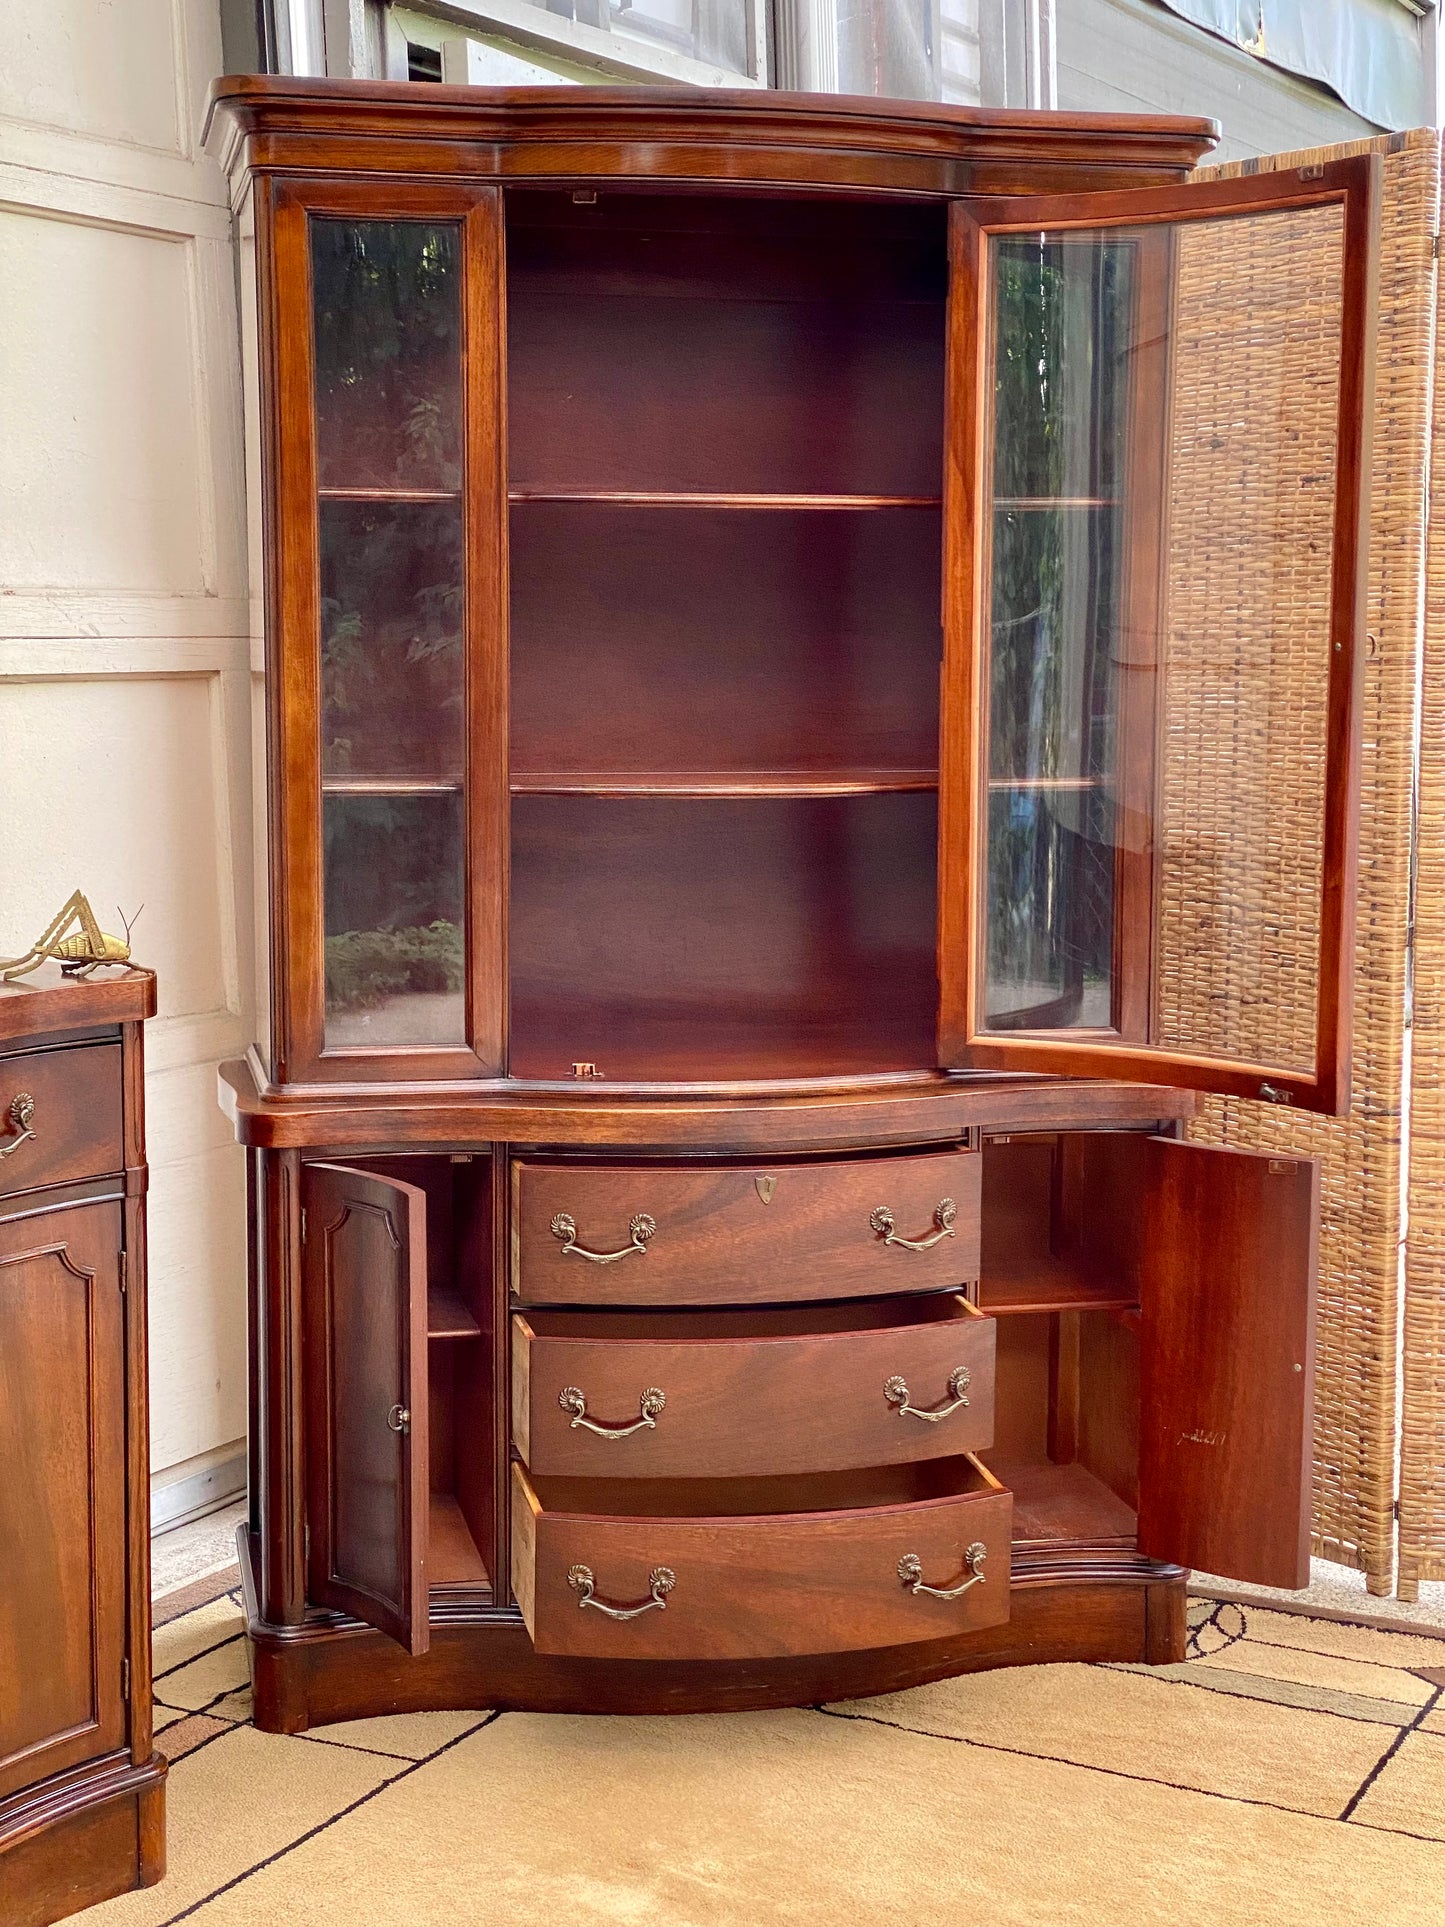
[658, 1234]
[760, 1568]
[737, 1394]
[60, 1116]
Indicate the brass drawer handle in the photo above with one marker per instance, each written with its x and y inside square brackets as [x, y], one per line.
[881, 1221]
[650, 1404]
[19, 1116]
[564, 1226]
[895, 1390]
[910, 1571]
[662, 1579]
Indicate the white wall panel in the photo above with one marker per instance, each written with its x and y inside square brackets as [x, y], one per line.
[125, 686]
[100, 407]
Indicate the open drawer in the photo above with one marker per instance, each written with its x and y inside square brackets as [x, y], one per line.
[736, 1394]
[760, 1568]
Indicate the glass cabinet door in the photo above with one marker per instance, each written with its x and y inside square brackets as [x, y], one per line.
[1156, 491]
[384, 347]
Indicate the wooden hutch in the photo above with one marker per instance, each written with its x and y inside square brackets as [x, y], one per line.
[810, 658]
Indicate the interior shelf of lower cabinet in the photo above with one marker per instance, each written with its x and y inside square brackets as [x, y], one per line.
[452, 1556]
[1062, 1504]
[447, 1316]
[1027, 1282]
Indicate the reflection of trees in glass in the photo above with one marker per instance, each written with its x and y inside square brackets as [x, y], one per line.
[1050, 905]
[394, 896]
[387, 318]
[392, 684]
[1062, 320]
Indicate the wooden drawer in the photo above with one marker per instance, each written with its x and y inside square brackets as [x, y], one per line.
[750, 1393]
[74, 1108]
[708, 1235]
[759, 1568]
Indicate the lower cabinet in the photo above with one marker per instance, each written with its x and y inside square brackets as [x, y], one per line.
[1052, 1353]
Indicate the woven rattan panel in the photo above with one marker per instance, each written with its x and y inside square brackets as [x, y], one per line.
[1422, 1447]
[1355, 1400]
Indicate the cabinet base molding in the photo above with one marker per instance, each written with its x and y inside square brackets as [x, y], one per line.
[81, 1838]
[1119, 1608]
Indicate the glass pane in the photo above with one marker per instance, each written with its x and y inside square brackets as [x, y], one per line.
[392, 674]
[1162, 471]
[395, 880]
[386, 299]
[712, 30]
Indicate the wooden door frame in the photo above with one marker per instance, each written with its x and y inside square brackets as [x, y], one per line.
[293, 626]
[1353, 185]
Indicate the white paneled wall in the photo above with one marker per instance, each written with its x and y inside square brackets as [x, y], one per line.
[959, 51]
[124, 680]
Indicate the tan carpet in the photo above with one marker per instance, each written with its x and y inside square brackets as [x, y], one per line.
[1292, 1771]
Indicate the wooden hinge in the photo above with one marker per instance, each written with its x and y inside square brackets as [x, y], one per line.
[125, 1679]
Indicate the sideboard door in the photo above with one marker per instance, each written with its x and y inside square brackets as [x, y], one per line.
[62, 1492]
[1227, 1301]
[364, 1269]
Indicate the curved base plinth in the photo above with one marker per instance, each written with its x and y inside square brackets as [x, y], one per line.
[81, 1838]
[314, 1674]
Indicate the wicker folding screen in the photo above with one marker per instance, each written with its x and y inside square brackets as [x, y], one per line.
[1356, 1402]
[1422, 1445]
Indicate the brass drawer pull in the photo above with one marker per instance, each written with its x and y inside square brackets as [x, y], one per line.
[662, 1579]
[910, 1571]
[399, 1420]
[564, 1226]
[22, 1110]
[650, 1404]
[895, 1390]
[881, 1221]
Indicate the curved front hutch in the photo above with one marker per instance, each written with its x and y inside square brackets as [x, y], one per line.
[810, 687]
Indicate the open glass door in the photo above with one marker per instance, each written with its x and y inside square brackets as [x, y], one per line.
[1155, 503]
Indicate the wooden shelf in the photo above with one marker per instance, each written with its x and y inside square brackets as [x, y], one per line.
[389, 494]
[390, 786]
[447, 1316]
[452, 1556]
[785, 782]
[1033, 504]
[1062, 1504]
[1047, 1284]
[718, 499]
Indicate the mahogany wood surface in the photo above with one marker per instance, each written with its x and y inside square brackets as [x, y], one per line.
[33, 1007]
[741, 1236]
[367, 1409]
[762, 1586]
[81, 1790]
[78, 1116]
[751, 1393]
[1227, 1361]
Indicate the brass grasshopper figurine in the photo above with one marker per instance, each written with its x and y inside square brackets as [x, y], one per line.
[86, 949]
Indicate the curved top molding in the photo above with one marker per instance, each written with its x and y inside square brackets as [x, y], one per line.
[829, 142]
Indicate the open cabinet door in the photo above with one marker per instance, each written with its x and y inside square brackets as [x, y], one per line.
[364, 1280]
[1228, 1248]
[1155, 504]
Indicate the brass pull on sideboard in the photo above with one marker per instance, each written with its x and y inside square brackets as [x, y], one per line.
[564, 1226]
[910, 1571]
[19, 1116]
[662, 1580]
[399, 1419]
[944, 1216]
[895, 1390]
[649, 1405]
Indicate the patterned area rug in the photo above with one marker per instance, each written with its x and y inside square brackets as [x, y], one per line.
[1291, 1771]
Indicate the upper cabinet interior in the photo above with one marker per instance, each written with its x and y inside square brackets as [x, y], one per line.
[1157, 490]
[758, 633]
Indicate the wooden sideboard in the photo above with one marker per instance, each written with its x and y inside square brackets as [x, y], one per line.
[812, 657]
[82, 1792]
